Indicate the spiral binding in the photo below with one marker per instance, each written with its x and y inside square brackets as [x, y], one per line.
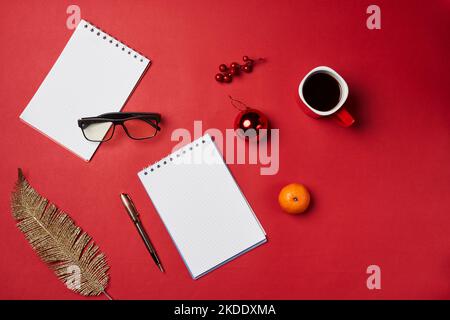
[114, 42]
[168, 159]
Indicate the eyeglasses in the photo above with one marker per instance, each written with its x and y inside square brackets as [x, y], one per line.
[137, 125]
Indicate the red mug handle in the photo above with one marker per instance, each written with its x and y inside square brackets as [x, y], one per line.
[344, 118]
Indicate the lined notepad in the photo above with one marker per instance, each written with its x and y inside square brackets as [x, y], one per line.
[202, 207]
[94, 74]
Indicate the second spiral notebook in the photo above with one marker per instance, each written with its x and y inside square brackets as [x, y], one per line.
[202, 207]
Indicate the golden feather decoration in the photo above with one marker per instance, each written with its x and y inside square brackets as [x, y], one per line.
[58, 241]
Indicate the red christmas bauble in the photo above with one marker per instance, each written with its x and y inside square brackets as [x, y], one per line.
[251, 122]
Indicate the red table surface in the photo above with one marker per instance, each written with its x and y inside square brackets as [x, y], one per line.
[380, 189]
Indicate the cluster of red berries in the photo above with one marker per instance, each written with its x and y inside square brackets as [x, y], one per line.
[228, 72]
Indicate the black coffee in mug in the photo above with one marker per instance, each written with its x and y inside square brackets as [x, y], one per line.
[322, 91]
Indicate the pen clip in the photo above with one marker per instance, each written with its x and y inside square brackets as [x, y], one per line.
[129, 206]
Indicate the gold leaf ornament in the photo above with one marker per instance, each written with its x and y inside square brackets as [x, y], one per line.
[69, 251]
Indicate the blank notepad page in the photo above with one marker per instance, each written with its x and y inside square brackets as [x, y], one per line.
[94, 74]
[202, 207]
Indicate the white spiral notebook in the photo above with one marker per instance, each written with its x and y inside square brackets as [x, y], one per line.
[202, 207]
[94, 74]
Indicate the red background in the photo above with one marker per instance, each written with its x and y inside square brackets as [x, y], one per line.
[380, 189]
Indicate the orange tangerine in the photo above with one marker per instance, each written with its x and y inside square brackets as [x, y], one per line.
[294, 198]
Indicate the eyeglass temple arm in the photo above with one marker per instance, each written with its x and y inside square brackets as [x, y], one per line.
[125, 115]
[152, 124]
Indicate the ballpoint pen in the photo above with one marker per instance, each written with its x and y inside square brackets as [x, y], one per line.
[134, 215]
